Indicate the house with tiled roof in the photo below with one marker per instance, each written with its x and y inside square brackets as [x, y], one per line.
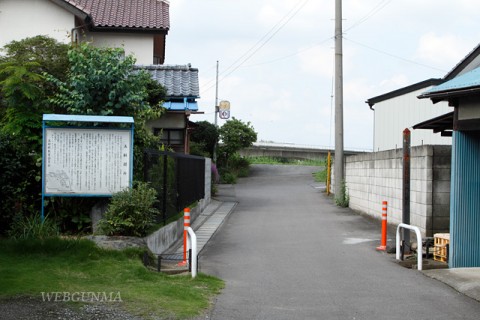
[139, 26]
[181, 83]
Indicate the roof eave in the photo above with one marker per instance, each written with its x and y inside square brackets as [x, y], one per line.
[463, 63]
[392, 94]
[129, 30]
[447, 94]
[440, 123]
[84, 16]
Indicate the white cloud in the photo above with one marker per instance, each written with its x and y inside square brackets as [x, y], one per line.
[317, 61]
[447, 49]
[288, 99]
[356, 90]
[397, 81]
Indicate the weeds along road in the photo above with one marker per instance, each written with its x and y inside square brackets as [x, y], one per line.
[287, 252]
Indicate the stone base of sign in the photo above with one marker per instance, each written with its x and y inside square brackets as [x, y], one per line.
[118, 242]
[97, 213]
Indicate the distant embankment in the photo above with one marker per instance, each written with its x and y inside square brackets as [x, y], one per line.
[291, 151]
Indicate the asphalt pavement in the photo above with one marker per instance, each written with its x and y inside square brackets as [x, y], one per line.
[286, 251]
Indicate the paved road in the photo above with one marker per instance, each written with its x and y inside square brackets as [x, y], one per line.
[287, 253]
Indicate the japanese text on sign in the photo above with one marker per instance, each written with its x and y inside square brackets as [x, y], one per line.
[87, 161]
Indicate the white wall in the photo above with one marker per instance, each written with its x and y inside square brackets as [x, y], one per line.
[392, 116]
[168, 120]
[138, 45]
[20, 19]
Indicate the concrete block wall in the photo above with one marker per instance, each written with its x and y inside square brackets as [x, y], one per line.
[375, 177]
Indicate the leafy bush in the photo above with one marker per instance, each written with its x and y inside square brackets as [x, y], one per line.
[238, 162]
[131, 212]
[238, 167]
[71, 214]
[32, 227]
[229, 178]
[19, 184]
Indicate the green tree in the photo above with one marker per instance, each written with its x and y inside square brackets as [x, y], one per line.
[156, 93]
[24, 91]
[102, 81]
[39, 75]
[203, 138]
[235, 135]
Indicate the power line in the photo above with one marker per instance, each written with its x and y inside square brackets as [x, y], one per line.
[371, 13]
[260, 43]
[382, 4]
[289, 55]
[394, 56]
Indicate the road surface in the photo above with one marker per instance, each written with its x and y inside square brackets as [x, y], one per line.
[287, 252]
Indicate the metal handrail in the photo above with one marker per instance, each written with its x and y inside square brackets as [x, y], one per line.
[192, 244]
[419, 240]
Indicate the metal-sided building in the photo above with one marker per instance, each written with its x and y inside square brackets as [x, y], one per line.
[463, 94]
[400, 109]
[396, 110]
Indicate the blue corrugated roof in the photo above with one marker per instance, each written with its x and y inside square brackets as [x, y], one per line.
[83, 118]
[467, 80]
[180, 106]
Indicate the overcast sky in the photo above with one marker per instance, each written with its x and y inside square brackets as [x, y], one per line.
[277, 60]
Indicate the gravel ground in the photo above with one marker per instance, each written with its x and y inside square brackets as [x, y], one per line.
[20, 308]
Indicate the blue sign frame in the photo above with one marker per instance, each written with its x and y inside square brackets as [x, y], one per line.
[89, 119]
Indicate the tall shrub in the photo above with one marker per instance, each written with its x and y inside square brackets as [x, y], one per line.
[131, 212]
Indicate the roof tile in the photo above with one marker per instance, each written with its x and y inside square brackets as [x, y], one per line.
[152, 14]
[179, 80]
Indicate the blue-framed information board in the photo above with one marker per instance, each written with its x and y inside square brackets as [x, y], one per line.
[86, 161]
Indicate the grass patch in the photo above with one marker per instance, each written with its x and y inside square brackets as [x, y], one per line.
[320, 176]
[273, 160]
[30, 267]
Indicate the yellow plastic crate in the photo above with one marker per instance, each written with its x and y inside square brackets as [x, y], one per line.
[441, 240]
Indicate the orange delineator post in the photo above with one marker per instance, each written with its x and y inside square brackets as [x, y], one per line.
[383, 242]
[186, 224]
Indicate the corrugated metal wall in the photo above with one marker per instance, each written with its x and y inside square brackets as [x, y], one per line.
[465, 201]
[394, 115]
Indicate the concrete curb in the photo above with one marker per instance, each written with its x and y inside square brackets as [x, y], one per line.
[464, 280]
[205, 228]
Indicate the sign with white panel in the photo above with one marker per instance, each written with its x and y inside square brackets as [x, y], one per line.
[87, 161]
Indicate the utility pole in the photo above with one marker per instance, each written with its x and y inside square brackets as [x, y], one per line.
[216, 113]
[339, 158]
